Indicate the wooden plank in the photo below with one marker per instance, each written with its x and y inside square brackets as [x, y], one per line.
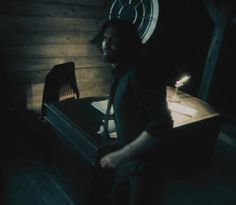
[45, 64]
[50, 9]
[95, 92]
[85, 76]
[35, 91]
[93, 74]
[45, 37]
[53, 24]
[49, 51]
[76, 2]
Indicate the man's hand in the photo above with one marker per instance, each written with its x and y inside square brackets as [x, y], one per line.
[141, 144]
[112, 159]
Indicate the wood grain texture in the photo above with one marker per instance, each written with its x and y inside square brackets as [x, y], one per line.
[46, 37]
[45, 64]
[35, 35]
[54, 24]
[49, 9]
[75, 2]
[44, 51]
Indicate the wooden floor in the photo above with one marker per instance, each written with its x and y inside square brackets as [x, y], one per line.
[25, 181]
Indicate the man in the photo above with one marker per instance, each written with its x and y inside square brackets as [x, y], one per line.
[142, 120]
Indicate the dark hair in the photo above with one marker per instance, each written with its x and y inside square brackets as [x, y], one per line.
[127, 30]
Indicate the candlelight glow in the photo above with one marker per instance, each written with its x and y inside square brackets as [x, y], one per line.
[181, 82]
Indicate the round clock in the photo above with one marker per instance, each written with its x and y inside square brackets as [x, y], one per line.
[143, 13]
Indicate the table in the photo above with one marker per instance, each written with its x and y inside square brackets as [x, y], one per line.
[78, 148]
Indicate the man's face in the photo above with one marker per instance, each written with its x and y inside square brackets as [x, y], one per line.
[111, 45]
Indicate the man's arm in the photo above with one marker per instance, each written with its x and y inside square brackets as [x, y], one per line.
[142, 143]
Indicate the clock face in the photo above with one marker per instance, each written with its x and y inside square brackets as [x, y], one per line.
[143, 13]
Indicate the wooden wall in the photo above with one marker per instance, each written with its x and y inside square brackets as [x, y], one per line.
[37, 34]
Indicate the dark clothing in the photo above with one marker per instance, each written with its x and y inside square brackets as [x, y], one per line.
[140, 104]
[136, 183]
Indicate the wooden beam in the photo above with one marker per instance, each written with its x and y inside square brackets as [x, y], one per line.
[212, 10]
[221, 20]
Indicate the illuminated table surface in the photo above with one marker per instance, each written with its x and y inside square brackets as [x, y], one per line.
[186, 109]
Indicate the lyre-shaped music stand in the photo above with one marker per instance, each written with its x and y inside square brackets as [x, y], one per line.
[60, 84]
